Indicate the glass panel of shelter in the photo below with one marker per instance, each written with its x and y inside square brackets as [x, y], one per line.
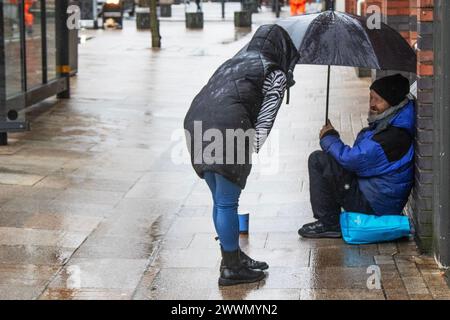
[24, 22]
[13, 47]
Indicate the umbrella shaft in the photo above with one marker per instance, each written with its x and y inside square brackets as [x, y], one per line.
[329, 5]
[328, 95]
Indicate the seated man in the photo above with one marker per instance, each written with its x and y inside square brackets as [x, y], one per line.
[375, 176]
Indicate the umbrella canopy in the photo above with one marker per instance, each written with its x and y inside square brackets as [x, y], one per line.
[342, 39]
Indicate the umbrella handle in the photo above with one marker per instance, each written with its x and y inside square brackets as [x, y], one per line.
[328, 95]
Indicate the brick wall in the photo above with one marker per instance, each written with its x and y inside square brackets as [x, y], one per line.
[421, 204]
[396, 13]
[412, 21]
[368, 3]
[350, 6]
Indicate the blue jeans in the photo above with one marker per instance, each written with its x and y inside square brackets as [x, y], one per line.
[225, 196]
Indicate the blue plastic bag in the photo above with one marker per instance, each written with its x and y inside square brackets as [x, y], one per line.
[359, 228]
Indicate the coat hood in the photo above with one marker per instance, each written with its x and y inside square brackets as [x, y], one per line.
[275, 44]
[405, 118]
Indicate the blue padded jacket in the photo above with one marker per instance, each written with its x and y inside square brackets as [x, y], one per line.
[385, 176]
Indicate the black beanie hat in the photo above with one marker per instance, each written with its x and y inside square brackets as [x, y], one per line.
[393, 89]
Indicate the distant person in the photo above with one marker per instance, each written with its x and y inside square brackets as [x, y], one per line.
[298, 7]
[274, 5]
[29, 17]
[375, 176]
[329, 4]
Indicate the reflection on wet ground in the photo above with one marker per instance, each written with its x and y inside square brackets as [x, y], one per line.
[94, 203]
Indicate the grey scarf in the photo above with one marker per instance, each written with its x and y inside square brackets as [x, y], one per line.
[382, 120]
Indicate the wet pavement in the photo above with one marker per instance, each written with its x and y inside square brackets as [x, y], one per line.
[96, 202]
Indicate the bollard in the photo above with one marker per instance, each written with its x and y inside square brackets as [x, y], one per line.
[242, 19]
[3, 139]
[143, 18]
[250, 5]
[223, 8]
[166, 10]
[194, 20]
[363, 72]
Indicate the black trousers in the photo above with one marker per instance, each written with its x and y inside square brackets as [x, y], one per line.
[331, 188]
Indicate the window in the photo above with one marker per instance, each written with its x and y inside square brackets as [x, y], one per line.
[33, 38]
[13, 61]
[51, 39]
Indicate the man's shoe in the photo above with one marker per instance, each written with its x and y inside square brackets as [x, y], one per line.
[319, 230]
[234, 272]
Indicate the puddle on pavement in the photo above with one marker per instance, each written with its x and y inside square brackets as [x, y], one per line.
[85, 38]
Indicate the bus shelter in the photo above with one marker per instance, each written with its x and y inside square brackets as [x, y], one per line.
[38, 53]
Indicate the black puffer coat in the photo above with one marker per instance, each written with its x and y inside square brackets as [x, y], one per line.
[232, 99]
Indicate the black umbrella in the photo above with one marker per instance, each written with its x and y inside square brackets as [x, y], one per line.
[341, 39]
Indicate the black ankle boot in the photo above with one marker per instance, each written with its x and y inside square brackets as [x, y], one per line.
[234, 272]
[252, 264]
[249, 262]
